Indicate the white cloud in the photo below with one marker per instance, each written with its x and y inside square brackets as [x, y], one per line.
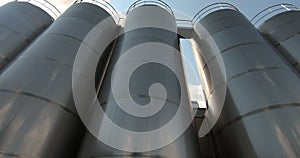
[2, 2]
[196, 94]
[62, 5]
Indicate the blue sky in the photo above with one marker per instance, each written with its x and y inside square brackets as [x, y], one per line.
[191, 7]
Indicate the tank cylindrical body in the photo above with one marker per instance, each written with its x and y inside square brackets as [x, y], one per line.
[38, 117]
[282, 30]
[260, 117]
[149, 30]
[20, 24]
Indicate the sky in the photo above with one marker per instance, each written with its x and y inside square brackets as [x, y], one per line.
[191, 7]
[186, 9]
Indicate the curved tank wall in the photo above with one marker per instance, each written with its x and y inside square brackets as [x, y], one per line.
[260, 117]
[145, 24]
[282, 31]
[38, 117]
[20, 24]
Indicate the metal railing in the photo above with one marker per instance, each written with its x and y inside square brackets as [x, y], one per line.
[151, 2]
[211, 8]
[45, 5]
[272, 11]
[106, 6]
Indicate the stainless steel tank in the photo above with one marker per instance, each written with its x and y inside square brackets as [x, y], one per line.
[282, 30]
[145, 25]
[260, 117]
[20, 24]
[38, 117]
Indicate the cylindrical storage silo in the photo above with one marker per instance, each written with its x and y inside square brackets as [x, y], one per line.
[282, 30]
[38, 117]
[261, 112]
[20, 24]
[147, 64]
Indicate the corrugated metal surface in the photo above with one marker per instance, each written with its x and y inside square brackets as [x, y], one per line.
[144, 25]
[282, 31]
[38, 116]
[260, 117]
[20, 24]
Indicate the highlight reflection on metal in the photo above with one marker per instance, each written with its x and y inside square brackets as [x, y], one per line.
[262, 103]
[18, 30]
[37, 113]
[46, 5]
[185, 146]
[151, 2]
[272, 11]
[282, 30]
[212, 8]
